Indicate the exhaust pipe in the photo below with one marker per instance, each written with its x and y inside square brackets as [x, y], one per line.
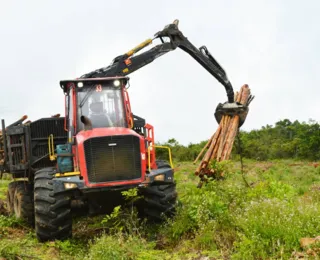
[87, 122]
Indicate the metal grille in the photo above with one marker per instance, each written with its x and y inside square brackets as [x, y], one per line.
[39, 132]
[113, 158]
[40, 158]
[44, 127]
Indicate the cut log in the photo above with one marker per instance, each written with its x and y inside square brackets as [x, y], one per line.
[203, 149]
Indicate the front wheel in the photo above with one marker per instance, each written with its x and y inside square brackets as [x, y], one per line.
[159, 202]
[52, 211]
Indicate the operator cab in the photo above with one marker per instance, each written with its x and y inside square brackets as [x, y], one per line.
[102, 104]
[96, 103]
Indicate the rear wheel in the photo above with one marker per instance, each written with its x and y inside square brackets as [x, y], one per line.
[23, 202]
[53, 218]
[159, 201]
[20, 201]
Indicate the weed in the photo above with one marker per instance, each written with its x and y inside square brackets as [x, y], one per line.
[6, 221]
[120, 247]
[70, 247]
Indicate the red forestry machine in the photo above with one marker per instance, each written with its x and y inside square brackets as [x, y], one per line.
[100, 148]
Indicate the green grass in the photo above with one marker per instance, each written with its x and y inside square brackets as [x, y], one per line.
[225, 219]
[3, 188]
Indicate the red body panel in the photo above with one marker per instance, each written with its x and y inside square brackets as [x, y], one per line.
[111, 131]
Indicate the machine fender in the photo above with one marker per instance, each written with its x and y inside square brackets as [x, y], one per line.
[59, 184]
[160, 176]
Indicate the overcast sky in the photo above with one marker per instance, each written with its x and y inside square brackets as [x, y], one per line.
[273, 46]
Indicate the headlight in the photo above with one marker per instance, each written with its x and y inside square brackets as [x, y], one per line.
[159, 177]
[70, 185]
[80, 84]
[116, 83]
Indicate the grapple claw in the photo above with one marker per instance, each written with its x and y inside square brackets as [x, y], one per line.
[231, 109]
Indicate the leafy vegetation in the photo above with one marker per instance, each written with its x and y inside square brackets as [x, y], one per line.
[224, 219]
[3, 188]
[285, 140]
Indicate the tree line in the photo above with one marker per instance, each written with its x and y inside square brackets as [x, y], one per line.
[284, 140]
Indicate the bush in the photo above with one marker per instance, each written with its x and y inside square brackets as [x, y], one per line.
[198, 206]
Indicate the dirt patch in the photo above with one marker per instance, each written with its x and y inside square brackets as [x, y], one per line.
[12, 233]
[264, 166]
[315, 165]
[53, 252]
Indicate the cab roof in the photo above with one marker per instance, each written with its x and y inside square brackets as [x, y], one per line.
[64, 84]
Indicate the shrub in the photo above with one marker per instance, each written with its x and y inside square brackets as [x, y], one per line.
[198, 206]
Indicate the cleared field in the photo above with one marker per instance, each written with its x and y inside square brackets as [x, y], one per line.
[263, 215]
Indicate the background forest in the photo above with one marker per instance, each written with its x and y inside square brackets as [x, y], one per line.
[284, 140]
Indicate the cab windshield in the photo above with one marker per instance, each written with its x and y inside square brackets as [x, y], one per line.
[102, 104]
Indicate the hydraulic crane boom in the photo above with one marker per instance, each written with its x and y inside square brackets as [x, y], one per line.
[127, 63]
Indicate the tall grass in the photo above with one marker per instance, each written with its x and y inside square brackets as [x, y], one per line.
[224, 219]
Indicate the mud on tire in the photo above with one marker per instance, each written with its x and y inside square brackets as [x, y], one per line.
[52, 211]
[23, 202]
[9, 199]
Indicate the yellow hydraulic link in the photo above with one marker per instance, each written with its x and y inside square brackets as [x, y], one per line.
[126, 70]
[161, 147]
[67, 174]
[52, 155]
[139, 47]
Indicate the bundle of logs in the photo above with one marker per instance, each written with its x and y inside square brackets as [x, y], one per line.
[220, 145]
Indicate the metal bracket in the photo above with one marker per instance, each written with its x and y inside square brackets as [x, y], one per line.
[231, 109]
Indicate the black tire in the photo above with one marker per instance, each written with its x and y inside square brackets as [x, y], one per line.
[53, 218]
[159, 201]
[23, 202]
